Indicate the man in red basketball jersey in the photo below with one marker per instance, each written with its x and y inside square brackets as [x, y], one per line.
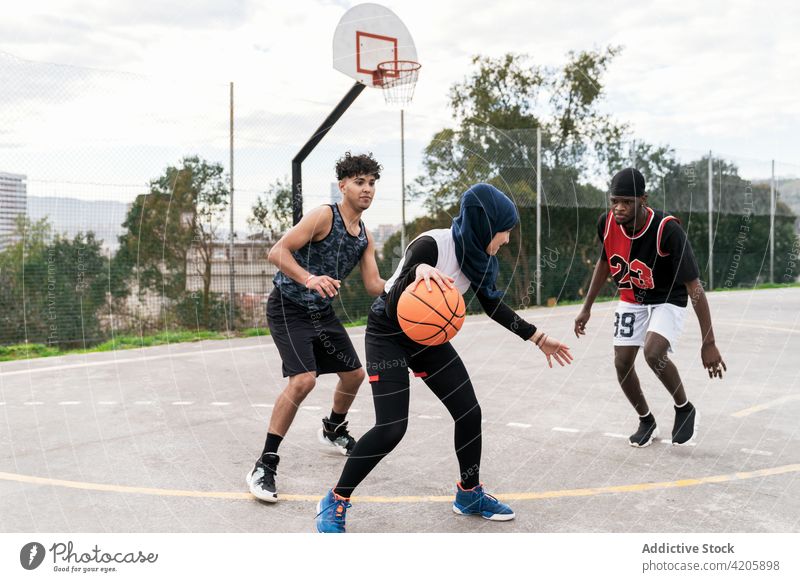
[649, 256]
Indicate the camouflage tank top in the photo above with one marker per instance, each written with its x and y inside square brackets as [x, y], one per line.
[335, 256]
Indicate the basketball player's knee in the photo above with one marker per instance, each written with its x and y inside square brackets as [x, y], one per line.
[354, 378]
[393, 433]
[623, 365]
[301, 385]
[472, 417]
[656, 358]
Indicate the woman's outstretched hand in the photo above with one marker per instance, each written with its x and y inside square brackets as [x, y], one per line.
[552, 349]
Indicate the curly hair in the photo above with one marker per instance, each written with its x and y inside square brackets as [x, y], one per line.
[350, 166]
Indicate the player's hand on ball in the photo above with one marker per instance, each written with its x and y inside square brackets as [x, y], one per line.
[324, 285]
[712, 360]
[427, 273]
[581, 321]
[552, 349]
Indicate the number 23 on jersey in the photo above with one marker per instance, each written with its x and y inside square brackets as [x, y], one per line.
[626, 275]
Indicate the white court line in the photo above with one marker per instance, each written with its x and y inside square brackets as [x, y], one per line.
[562, 429]
[757, 452]
[220, 404]
[33, 403]
[106, 402]
[518, 425]
[354, 410]
[665, 441]
[69, 403]
[183, 403]
[428, 417]
[614, 435]
[760, 326]
[262, 405]
[144, 402]
[310, 408]
[139, 360]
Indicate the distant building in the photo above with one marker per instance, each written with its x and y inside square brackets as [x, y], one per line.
[252, 281]
[382, 232]
[253, 273]
[70, 216]
[336, 194]
[13, 204]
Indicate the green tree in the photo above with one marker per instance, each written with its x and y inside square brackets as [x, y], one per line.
[272, 213]
[52, 289]
[497, 109]
[175, 226]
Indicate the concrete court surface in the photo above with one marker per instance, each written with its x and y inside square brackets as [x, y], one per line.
[160, 439]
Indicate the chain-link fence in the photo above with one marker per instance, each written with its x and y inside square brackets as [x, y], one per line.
[115, 205]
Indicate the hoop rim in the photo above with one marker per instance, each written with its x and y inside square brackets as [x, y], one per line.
[388, 74]
[384, 65]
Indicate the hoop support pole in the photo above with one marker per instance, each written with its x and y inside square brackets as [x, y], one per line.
[297, 161]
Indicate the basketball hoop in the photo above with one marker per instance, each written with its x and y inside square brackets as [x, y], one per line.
[398, 80]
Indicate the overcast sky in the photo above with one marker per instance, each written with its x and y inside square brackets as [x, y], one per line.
[109, 92]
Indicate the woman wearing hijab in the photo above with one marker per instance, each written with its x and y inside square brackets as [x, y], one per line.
[462, 256]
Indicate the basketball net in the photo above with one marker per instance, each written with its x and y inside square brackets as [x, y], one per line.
[397, 79]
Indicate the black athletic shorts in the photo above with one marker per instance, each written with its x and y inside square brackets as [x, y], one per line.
[309, 341]
[390, 353]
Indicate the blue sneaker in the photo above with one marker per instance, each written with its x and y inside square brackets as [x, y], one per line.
[476, 501]
[331, 512]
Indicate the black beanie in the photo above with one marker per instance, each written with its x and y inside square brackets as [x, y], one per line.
[627, 182]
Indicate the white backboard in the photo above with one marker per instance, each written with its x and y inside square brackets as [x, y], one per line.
[369, 34]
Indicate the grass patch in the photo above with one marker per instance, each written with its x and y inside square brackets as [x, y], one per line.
[601, 299]
[26, 351]
[127, 342]
[253, 332]
[759, 287]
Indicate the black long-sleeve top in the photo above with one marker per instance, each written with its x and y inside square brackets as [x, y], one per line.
[424, 251]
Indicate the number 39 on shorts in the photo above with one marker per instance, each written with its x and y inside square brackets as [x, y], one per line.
[623, 324]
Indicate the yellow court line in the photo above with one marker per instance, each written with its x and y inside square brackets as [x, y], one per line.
[586, 492]
[770, 404]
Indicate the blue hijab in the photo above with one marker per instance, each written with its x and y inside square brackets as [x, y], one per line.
[485, 211]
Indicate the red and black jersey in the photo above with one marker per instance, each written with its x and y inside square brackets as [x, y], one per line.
[651, 266]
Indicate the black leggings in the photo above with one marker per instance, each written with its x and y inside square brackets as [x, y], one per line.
[441, 369]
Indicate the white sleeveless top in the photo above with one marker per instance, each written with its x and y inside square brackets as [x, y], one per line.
[447, 260]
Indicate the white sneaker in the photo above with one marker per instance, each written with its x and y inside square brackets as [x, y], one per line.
[336, 436]
[261, 479]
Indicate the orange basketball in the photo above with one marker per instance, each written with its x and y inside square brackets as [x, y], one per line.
[430, 317]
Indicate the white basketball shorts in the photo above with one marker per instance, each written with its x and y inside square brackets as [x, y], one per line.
[632, 322]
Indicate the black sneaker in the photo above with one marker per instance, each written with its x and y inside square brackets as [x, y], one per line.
[336, 436]
[684, 431]
[261, 478]
[646, 434]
